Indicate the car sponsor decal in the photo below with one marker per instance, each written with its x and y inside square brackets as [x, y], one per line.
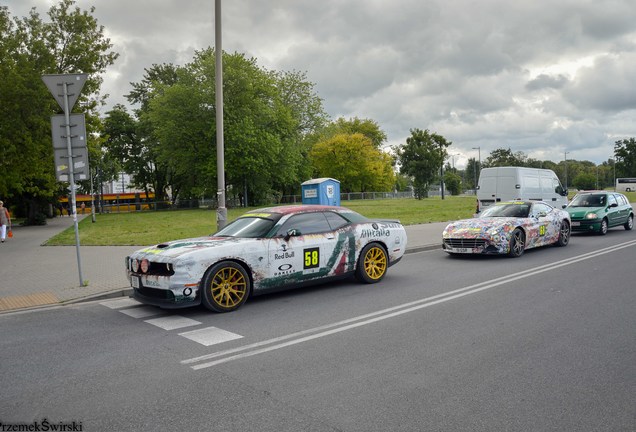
[311, 260]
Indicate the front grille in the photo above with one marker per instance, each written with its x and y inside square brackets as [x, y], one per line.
[465, 243]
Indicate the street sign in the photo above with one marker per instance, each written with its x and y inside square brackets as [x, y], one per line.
[74, 84]
[78, 131]
[80, 164]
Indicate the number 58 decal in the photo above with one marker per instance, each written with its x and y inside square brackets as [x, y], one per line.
[311, 258]
[542, 230]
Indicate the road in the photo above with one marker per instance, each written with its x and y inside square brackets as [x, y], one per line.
[542, 342]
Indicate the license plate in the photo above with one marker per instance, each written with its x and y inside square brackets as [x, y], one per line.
[576, 223]
[134, 281]
[460, 250]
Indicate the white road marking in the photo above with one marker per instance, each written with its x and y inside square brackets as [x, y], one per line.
[210, 336]
[173, 322]
[329, 329]
[142, 312]
[122, 303]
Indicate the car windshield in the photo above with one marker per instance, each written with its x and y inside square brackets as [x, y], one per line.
[588, 200]
[520, 210]
[248, 227]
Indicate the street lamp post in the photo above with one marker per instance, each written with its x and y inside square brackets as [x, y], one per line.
[475, 167]
[566, 169]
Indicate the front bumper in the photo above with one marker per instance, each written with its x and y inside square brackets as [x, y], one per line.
[167, 296]
[470, 246]
[168, 301]
[592, 225]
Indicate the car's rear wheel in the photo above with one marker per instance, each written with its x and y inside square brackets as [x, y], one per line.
[372, 264]
[226, 286]
[604, 227]
[564, 234]
[630, 223]
[517, 243]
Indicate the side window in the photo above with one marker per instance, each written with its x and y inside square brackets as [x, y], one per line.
[621, 199]
[335, 220]
[611, 200]
[540, 208]
[306, 223]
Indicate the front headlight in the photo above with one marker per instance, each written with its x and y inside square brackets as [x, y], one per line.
[591, 216]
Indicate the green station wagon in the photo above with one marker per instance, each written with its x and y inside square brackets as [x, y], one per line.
[597, 211]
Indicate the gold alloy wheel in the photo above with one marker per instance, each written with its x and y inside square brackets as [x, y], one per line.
[229, 287]
[375, 263]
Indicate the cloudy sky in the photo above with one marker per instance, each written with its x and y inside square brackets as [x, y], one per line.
[543, 77]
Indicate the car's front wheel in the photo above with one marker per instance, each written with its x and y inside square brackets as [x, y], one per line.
[372, 264]
[517, 243]
[564, 234]
[630, 223]
[604, 227]
[226, 286]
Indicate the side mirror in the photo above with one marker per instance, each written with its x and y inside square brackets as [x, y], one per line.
[291, 233]
[613, 205]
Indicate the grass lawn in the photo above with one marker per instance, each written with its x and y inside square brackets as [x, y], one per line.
[147, 228]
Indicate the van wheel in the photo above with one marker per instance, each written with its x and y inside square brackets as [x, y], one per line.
[603, 230]
[564, 234]
[630, 223]
[517, 243]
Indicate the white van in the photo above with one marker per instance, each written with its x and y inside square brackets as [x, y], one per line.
[517, 183]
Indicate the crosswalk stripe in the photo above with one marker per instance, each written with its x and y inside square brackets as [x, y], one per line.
[173, 322]
[121, 303]
[210, 336]
[142, 312]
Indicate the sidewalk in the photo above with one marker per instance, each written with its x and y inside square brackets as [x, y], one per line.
[33, 275]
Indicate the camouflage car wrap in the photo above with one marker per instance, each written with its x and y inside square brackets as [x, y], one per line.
[170, 274]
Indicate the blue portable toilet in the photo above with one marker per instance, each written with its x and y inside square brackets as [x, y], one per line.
[323, 191]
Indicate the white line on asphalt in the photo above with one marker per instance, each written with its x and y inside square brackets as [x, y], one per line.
[329, 329]
[210, 336]
[173, 322]
[142, 312]
[121, 303]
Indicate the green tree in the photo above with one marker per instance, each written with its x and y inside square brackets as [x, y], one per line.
[584, 181]
[421, 158]
[70, 42]
[353, 160]
[625, 152]
[366, 127]
[267, 118]
[453, 182]
[505, 157]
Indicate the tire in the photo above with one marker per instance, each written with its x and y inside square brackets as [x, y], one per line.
[517, 243]
[630, 223]
[372, 263]
[603, 230]
[564, 234]
[226, 286]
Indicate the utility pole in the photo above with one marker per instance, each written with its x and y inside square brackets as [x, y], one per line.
[221, 211]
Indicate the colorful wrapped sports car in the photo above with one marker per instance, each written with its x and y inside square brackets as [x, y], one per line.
[508, 228]
[264, 250]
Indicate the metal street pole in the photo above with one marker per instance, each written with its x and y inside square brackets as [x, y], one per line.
[566, 169]
[71, 174]
[479, 153]
[221, 211]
